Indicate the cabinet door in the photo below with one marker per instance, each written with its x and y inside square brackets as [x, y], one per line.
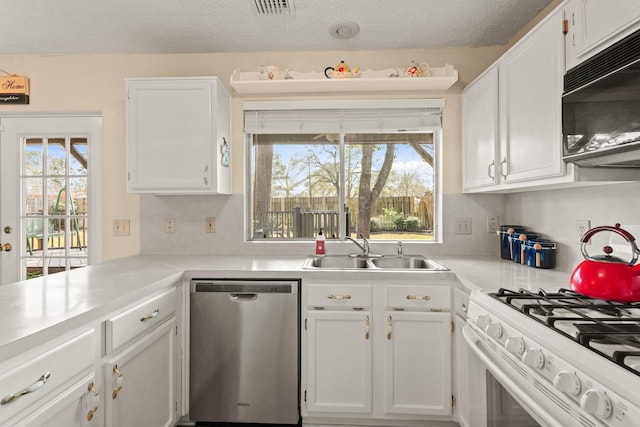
[530, 104]
[598, 24]
[76, 406]
[418, 363]
[339, 357]
[140, 382]
[480, 131]
[172, 135]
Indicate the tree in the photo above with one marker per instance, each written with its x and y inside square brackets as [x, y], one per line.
[366, 194]
[262, 183]
[287, 176]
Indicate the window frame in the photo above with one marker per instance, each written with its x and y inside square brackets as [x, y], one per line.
[437, 132]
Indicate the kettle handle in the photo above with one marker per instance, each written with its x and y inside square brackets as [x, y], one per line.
[618, 230]
[328, 69]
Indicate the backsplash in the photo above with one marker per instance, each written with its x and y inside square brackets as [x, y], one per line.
[554, 214]
[190, 212]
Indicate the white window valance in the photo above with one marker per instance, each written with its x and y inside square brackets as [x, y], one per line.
[365, 116]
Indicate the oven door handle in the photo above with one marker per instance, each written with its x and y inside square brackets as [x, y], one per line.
[534, 409]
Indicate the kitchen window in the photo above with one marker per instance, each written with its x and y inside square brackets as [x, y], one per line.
[348, 168]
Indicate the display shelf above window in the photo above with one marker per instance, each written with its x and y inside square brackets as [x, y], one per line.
[371, 81]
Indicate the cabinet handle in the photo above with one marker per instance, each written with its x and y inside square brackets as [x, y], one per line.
[119, 381]
[93, 401]
[150, 316]
[367, 324]
[389, 327]
[492, 165]
[416, 297]
[206, 175]
[30, 389]
[504, 171]
[345, 296]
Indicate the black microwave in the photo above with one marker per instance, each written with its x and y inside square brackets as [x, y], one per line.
[601, 108]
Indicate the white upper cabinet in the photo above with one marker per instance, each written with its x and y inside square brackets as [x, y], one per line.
[530, 105]
[512, 131]
[178, 136]
[480, 131]
[594, 25]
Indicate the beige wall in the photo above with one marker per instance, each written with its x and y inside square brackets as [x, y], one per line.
[95, 83]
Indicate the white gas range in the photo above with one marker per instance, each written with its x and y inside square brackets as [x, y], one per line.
[552, 359]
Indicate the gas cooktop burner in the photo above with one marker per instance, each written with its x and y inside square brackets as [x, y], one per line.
[608, 328]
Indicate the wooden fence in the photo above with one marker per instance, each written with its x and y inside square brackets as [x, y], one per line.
[303, 217]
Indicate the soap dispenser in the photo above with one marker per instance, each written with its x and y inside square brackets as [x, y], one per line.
[320, 243]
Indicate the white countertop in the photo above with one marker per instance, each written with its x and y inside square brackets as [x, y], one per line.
[43, 307]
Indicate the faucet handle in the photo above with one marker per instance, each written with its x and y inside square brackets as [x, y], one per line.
[399, 254]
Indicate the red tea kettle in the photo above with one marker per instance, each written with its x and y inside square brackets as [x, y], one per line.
[605, 276]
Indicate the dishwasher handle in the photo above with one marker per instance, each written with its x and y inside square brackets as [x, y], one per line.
[243, 297]
[244, 286]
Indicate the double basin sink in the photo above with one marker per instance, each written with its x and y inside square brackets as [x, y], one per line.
[390, 262]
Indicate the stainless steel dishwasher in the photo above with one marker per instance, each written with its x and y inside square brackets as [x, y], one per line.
[245, 351]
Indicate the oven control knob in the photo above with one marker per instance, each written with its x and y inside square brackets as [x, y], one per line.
[533, 358]
[567, 382]
[515, 345]
[596, 403]
[494, 330]
[483, 320]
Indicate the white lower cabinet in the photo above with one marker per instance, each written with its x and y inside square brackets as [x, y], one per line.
[48, 385]
[339, 356]
[418, 363]
[377, 353]
[140, 386]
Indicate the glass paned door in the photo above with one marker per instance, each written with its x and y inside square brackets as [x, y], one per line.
[50, 194]
[54, 211]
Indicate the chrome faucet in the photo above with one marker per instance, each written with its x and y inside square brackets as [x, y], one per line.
[364, 247]
[399, 254]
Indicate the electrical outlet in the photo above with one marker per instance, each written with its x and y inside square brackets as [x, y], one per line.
[582, 226]
[120, 227]
[462, 225]
[210, 225]
[493, 222]
[170, 225]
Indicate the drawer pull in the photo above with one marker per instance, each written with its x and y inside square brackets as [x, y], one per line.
[33, 387]
[415, 297]
[93, 401]
[150, 316]
[119, 381]
[345, 296]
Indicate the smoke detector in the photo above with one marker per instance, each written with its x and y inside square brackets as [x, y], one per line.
[274, 7]
[344, 30]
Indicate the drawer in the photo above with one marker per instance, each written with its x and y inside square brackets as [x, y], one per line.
[140, 319]
[347, 296]
[419, 297]
[43, 371]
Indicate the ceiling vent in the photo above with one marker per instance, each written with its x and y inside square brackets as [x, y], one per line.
[275, 7]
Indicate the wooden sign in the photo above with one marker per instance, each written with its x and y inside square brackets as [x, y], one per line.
[14, 90]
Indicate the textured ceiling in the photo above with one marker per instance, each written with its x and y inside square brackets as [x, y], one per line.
[198, 26]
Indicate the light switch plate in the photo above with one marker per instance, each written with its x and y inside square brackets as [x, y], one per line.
[462, 225]
[121, 227]
[210, 225]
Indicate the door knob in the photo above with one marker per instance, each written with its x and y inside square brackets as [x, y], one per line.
[5, 247]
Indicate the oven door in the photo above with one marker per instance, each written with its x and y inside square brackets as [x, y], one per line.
[495, 399]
